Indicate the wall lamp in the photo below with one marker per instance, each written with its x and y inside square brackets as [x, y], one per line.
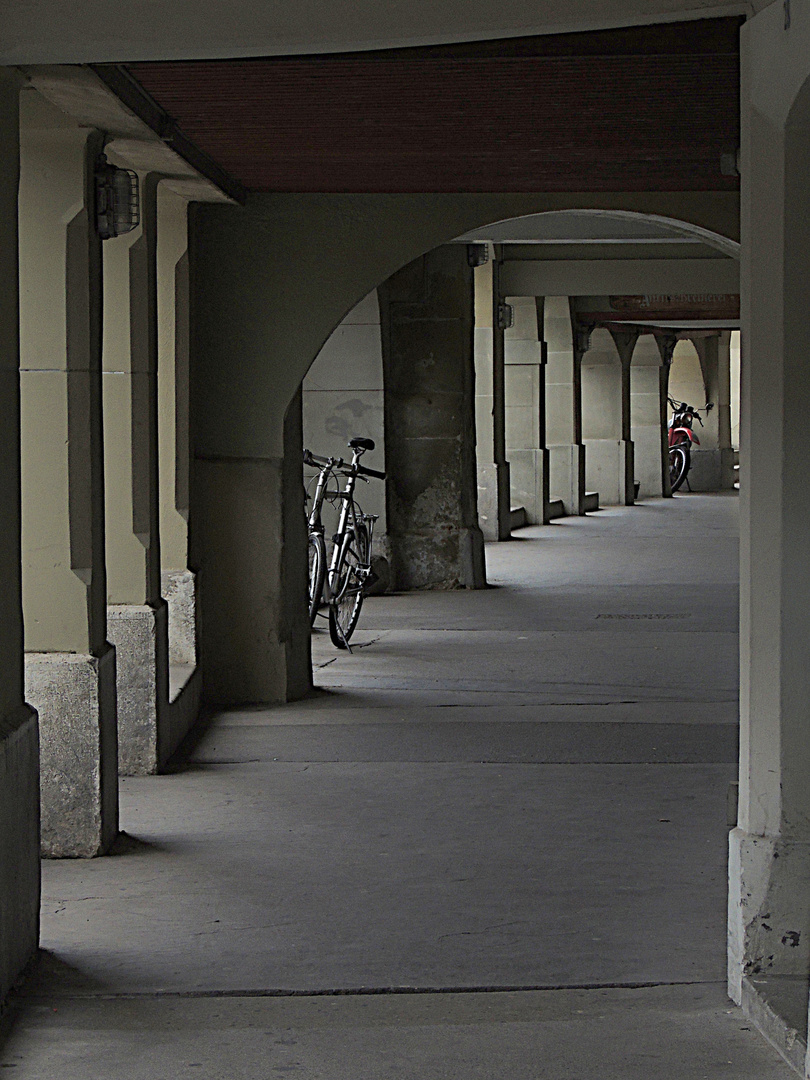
[505, 316]
[477, 254]
[118, 208]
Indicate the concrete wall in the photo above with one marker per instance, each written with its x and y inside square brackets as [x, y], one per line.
[19, 749]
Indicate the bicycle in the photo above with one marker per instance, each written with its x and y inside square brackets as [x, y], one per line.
[681, 438]
[343, 586]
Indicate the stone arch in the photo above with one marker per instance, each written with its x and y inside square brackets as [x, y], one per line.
[270, 282]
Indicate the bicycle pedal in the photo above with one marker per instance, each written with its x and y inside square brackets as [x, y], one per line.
[368, 578]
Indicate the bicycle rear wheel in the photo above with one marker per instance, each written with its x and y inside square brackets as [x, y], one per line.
[317, 571]
[347, 588]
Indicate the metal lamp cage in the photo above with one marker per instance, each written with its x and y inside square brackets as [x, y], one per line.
[117, 200]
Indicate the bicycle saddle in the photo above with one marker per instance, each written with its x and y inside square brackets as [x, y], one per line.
[362, 444]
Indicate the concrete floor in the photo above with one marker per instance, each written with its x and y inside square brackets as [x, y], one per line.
[491, 846]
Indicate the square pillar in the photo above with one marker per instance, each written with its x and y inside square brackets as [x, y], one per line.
[564, 408]
[70, 667]
[494, 500]
[247, 528]
[525, 383]
[19, 745]
[606, 419]
[648, 409]
[426, 314]
[769, 851]
[137, 613]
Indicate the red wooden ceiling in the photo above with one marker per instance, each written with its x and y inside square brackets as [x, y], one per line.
[643, 109]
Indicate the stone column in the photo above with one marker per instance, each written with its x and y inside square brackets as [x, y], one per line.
[606, 419]
[524, 355]
[426, 314]
[769, 868]
[625, 342]
[19, 750]
[494, 501]
[247, 529]
[564, 408]
[137, 614]
[70, 668]
[648, 407]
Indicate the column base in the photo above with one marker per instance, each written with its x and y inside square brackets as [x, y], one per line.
[74, 695]
[712, 470]
[179, 590]
[567, 476]
[19, 836]
[140, 635]
[610, 471]
[649, 461]
[768, 909]
[529, 472]
[494, 501]
[440, 561]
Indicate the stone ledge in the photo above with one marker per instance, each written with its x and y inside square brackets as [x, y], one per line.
[777, 1005]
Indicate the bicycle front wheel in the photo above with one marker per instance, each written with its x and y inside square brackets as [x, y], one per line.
[317, 571]
[678, 466]
[347, 589]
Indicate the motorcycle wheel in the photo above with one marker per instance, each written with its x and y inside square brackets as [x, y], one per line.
[678, 466]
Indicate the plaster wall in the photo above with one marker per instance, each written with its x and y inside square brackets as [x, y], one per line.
[343, 398]
[19, 747]
[688, 382]
[603, 277]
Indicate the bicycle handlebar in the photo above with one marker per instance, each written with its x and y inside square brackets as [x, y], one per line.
[371, 472]
[314, 459]
[339, 463]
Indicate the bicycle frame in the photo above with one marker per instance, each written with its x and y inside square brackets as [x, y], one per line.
[348, 516]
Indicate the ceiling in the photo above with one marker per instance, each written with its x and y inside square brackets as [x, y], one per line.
[649, 108]
[97, 31]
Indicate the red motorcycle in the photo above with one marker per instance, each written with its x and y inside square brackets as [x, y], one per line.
[681, 438]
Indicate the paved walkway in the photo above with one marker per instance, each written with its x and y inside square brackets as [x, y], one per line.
[491, 847]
